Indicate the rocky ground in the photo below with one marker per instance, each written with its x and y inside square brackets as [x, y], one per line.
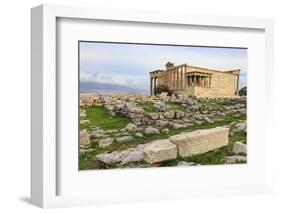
[119, 131]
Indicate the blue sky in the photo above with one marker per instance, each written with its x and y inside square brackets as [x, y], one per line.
[130, 64]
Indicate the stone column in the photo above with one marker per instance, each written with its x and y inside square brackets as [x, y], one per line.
[237, 85]
[175, 73]
[177, 78]
[154, 91]
[151, 79]
[182, 78]
[205, 82]
[174, 78]
[171, 79]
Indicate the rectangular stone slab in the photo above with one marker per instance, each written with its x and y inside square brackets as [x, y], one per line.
[200, 141]
[160, 150]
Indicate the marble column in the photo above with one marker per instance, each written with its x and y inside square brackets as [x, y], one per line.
[154, 87]
[151, 80]
[237, 85]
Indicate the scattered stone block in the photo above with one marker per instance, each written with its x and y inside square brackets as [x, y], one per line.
[161, 123]
[200, 141]
[234, 159]
[239, 127]
[179, 114]
[84, 138]
[150, 131]
[153, 116]
[163, 95]
[239, 148]
[160, 150]
[184, 163]
[166, 130]
[139, 134]
[134, 156]
[97, 134]
[124, 139]
[84, 122]
[159, 106]
[176, 125]
[131, 127]
[169, 114]
[105, 142]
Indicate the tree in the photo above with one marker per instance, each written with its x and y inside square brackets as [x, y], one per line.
[162, 88]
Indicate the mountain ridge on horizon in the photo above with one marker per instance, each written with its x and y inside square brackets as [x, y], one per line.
[87, 87]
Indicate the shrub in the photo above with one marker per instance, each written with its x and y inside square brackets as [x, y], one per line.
[162, 88]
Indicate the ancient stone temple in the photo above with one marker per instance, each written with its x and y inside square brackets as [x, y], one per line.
[189, 80]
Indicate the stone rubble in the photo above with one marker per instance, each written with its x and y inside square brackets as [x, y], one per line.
[239, 148]
[84, 138]
[166, 118]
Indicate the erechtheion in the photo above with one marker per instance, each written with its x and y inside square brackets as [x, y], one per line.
[189, 80]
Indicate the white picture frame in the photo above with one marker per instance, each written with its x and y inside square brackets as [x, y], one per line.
[44, 150]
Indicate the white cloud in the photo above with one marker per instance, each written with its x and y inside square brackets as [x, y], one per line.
[144, 59]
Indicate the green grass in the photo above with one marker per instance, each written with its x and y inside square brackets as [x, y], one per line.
[147, 107]
[176, 106]
[240, 136]
[99, 117]
[88, 160]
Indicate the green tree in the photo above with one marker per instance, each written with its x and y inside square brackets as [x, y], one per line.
[162, 88]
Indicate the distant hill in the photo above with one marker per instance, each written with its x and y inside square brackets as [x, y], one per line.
[108, 88]
[243, 91]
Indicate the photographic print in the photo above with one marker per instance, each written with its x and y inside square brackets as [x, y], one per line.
[158, 105]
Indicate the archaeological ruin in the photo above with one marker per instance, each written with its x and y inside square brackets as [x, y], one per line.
[195, 81]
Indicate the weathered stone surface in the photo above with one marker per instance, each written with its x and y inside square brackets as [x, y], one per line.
[159, 106]
[166, 130]
[109, 158]
[177, 126]
[153, 116]
[84, 121]
[82, 114]
[123, 157]
[179, 114]
[131, 127]
[105, 142]
[139, 134]
[160, 150]
[184, 163]
[169, 114]
[239, 147]
[84, 138]
[97, 134]
[200, 141]
[161, 123]
[234, 159]
[134, 156]
[137, 110]
[124, 139]
[150, 130]
[239, 127]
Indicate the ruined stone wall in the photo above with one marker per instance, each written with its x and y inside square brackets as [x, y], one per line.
[223, 84]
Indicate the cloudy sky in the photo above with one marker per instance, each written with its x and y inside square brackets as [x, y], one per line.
[130, 64]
